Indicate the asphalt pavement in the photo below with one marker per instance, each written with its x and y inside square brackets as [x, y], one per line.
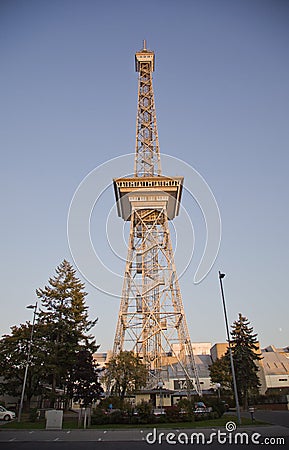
[119, 446]
[273, 417]
[276, 436]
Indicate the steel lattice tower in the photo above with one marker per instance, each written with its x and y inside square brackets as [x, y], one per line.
[151, 319]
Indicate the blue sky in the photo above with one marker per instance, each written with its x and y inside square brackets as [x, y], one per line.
[68, 104]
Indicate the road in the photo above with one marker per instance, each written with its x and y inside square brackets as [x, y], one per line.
[274, 417]
[120, 446]
[116, 446]
[131, 439]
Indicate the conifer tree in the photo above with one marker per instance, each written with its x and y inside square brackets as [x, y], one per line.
[245, 356]
[83, 382]
[61, 339]
[63, 325]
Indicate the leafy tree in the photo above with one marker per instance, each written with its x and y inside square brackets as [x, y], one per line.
[220, 372]
[64, 323]
[13, 360]
[83, 384]
[125, 373]
[245, 356]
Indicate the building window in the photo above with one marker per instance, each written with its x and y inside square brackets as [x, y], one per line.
[283, 379]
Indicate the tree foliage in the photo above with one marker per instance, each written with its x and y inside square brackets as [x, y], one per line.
[220, 372]
[83, 383]
[64, 323]
[64, 302]
[125, 373]
[13, 360]
[61, 340]
[245, 356]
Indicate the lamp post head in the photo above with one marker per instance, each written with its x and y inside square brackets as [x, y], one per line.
[221, 275]
[32, 306]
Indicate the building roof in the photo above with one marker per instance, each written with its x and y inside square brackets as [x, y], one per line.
[275, 363]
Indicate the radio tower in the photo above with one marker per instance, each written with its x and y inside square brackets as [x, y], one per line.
[151, 319]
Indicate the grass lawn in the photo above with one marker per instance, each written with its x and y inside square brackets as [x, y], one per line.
[72, 424]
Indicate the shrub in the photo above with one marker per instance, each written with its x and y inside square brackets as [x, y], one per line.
[116, 402]
[218, 406]
[117, 417]
[201, 416]
[144, 411]
[99, 417]
[186, 410]
[186, 405]
[33, 415]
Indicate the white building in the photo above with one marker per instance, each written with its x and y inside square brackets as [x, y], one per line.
[275, 365]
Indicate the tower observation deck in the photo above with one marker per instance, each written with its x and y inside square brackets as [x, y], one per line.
[151, 319]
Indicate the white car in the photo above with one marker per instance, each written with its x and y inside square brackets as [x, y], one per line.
[159, 412]
[6, 415]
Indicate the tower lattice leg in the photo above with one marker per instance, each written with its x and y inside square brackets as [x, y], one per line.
[151, 319]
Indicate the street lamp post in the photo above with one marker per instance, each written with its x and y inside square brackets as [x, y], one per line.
[160, 386]
[221, 276]
[218, 387]
[28, 359]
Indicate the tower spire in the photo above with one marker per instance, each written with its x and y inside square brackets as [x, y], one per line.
[147, 151]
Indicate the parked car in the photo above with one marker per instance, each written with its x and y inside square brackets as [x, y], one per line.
[159, 412]
[6, 415]
[200, 405]
[205, 410]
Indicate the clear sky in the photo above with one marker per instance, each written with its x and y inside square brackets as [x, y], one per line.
[68, 104]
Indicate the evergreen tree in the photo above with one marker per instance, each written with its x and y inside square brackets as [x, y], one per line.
[83, 382]
[64, 325]
[60, 337]
[245, 356]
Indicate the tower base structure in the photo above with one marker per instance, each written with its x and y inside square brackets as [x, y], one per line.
[151, 320]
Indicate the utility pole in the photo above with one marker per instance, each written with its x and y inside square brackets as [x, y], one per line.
[221, 276]
[34, 307]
